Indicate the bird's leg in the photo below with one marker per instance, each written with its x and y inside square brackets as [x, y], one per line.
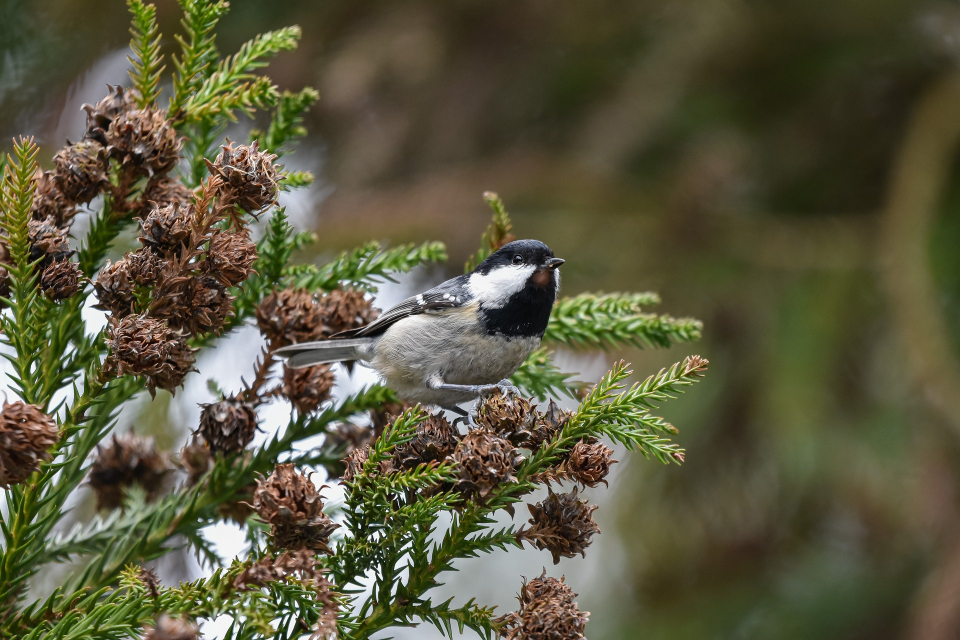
[437, 384]
[504, 386]
[462, 413]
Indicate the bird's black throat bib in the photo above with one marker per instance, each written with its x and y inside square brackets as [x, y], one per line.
[525, 314]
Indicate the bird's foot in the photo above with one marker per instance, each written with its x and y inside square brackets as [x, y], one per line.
[504, 387]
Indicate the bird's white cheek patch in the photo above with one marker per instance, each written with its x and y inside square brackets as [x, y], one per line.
[496, 287]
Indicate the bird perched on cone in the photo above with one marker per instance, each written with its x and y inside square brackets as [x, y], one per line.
[458, 341]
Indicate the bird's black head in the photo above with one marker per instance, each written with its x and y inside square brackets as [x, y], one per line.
[516, 287]
[521, 253]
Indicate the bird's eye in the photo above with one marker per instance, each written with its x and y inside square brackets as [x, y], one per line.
[518, 259]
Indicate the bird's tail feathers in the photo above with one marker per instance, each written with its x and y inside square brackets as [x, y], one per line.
[307, 354]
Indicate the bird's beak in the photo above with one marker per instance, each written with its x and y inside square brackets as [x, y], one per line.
[553, 263]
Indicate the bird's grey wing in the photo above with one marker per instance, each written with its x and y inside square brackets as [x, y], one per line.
[449, 295]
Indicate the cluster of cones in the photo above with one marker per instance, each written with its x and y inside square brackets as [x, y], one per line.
[488, 456]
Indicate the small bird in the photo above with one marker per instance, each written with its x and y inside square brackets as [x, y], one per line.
[460, 340]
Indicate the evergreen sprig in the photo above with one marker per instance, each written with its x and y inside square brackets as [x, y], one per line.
[608, 321]
[20, 328]
[366, 266]
[233, 87]
[148, 63]
[198, 48]
[497, 233]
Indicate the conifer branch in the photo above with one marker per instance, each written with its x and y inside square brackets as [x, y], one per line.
[496, 235]
[198, 48]
[608, 321]
[148, 63]
[366, 266]
[232, 86]
[21, 329]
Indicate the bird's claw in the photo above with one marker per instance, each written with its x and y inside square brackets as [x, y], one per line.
[504, 387]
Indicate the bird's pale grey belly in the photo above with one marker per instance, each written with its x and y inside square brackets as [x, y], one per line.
[421, 347]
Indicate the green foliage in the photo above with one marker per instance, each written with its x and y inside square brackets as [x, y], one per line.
[296, 180]
[496, 235]
[148, 63]
[366, 266]
[233, 86]
[287, 122]
[16, 199]
[539, 377]
[198, 48]
[613, 320]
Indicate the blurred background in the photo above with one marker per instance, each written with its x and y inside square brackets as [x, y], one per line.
[784, 171]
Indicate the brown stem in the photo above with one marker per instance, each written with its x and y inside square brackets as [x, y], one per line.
[252, 392]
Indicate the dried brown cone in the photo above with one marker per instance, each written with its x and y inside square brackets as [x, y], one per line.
[100, 116]
[547, 612]
[61, 280]
[150, 580]
[162, 191]
[81, 170]
[307, 388]
[145, 267]
[166, 229]
[127, 461]
[26, 435]
[435, 439]
[353, 463]
[195, 305]
[231, 256]
[290, 503]
[167, 628]
[49, 202]
[228, 426]
[196, 459]
[509, 415]
[547, 426]
[485, 460]
[144, 141]
[144, 346]
[588, 463]
[344, 309]
[48, 242]
[562, 524]
[114, 288]
[249, 179]
[289, 316]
